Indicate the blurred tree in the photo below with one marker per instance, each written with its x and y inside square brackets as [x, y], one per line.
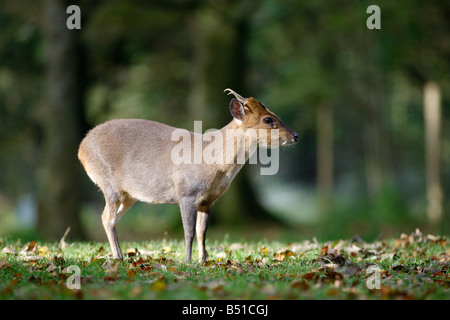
[20, 92]
[423, 54]
[432, 112]
[59, 194]
[325, 158]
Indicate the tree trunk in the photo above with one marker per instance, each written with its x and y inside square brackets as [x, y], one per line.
[373, 153]
[59, 195]
[325, 158]
[432, 116]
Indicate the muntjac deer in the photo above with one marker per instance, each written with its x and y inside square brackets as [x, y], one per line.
[133, 160]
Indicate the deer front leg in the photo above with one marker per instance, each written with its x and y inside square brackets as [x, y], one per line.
[202, 226]
[189, 217]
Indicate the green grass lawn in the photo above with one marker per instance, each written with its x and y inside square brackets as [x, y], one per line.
[414, 266]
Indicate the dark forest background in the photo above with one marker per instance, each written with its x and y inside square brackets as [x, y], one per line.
[372, 109]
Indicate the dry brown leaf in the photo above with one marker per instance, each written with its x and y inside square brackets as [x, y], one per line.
[131, 272]
[62, 243]
[309, 275]
[300, 284]
[4, 264]
[51, 267]
[109, 266]
[350, 269]
[282, 255]
[30, 247]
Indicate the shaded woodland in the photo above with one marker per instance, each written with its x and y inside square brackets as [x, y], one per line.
[372, 107]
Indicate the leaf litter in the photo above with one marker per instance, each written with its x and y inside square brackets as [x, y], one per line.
[413, 266]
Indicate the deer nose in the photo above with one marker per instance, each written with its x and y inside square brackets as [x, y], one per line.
[295, 136]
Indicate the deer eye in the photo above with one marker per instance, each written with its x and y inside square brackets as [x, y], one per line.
[268, 120]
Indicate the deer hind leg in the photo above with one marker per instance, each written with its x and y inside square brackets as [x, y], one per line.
[115, 208]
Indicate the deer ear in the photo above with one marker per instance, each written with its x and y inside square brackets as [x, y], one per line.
[236, 109]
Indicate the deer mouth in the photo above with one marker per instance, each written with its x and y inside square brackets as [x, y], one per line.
[288, 142]
[292, 141]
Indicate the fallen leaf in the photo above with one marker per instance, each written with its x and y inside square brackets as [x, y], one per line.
[264, 250]
[59, 261]
[236, 246]
[353, 249]
[8, 250]
[282, 255]
[4, 264]
[167, 249]
[160, 266]
[438, 274]
[221, 255]
[32, 258]
[109, 266]
[300, 284]
[350, 269]
[431, 270]
[62, 243]
[30, 247]
[35, 279]
[387, 256]
[131, 272]
[332, 259]
[51, 267]
[144, 252]
[400, 268]
[16, 275]
[43, 251]
[131, 252]
[309, 275]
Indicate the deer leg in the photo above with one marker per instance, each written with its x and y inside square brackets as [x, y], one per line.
[113, 211]
[201, 227]
[189, 217]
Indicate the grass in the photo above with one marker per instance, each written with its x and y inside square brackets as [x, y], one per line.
[414, 266]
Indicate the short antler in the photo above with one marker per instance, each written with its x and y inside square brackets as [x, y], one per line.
[238, 96]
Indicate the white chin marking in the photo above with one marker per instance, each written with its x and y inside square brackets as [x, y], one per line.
[239, 122]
